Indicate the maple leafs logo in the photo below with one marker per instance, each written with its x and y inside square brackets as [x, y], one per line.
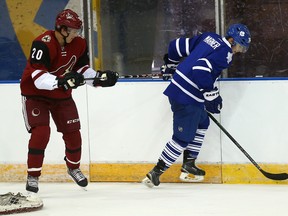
[229, 57]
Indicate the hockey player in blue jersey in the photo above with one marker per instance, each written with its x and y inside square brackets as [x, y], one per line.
[196, 63]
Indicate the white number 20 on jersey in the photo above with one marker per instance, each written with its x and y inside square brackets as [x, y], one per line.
[36, 54]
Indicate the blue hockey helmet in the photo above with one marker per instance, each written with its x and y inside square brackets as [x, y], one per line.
[241, 35]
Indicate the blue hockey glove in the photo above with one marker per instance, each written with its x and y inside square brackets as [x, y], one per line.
[213, 101]
[168, 69]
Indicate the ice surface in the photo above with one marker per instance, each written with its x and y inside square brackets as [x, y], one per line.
[135, 199]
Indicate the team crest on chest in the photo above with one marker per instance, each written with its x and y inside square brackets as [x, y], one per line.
[46, 38]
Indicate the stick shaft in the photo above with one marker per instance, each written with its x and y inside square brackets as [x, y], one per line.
[233, 140]
[274, 176]
[141, 76]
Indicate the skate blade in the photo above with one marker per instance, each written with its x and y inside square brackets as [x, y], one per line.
[184, 177]
[83, 188]
[146, 181]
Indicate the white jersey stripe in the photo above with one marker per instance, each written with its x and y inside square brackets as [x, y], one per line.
[207, 62]
[201, 68]
[178, 47]
[24, 112]
[187, 92]
[35, 73]
[187, 79]
[187, 46]
[46, 81]
[174, 61]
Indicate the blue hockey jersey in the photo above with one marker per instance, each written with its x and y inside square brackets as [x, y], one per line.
[206, 56]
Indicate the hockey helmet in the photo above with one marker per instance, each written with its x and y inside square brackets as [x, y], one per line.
[241, 35]
[68, 18]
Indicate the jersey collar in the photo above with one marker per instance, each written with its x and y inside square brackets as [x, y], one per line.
[226, 41]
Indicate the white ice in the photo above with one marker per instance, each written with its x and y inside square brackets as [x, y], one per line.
[134, 199]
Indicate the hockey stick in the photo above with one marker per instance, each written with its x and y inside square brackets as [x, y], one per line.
[142, 76]
[273, 176]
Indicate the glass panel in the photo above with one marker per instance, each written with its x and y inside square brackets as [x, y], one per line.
[136, 34]
[267, 22]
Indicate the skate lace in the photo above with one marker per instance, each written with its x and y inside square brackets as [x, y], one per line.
[77, 174]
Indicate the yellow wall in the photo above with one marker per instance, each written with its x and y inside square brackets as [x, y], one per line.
[26, 30]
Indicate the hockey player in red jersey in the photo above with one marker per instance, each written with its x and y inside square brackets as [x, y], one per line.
[57, 64]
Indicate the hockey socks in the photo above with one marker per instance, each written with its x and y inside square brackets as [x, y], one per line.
[169, 155]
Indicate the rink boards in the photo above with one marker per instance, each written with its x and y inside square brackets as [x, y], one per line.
[125, 128]
[227, 173]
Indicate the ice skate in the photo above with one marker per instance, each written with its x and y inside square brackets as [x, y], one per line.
[188, 168]
[78, 177]
[32, 184]
[152, 178]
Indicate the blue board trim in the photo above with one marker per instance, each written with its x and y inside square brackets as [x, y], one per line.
[160, 79]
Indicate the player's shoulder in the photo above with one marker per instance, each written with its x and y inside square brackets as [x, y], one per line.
[212, 40]
[46, 37]
[80, 39]
[211, 36]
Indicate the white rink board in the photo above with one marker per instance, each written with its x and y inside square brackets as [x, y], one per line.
[255, 114]
[131, 122]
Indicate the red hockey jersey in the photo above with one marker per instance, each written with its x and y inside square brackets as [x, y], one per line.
[48, 56]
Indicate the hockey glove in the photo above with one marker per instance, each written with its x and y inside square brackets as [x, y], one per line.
[71, 80]
[213, 101]
[168, 69]
[105, 78]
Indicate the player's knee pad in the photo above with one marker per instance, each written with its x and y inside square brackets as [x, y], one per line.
[72, 140]
[40, 136]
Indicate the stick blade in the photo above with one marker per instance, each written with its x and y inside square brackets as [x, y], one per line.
[275, 176]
